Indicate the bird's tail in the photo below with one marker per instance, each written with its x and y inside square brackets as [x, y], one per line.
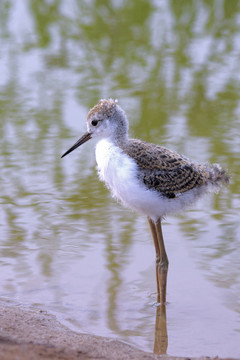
[218, 176]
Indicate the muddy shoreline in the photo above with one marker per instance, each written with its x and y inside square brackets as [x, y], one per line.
[34, 334]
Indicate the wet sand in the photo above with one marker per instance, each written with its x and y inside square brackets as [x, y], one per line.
[34, 334]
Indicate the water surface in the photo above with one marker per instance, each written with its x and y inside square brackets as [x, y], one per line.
[66, 246]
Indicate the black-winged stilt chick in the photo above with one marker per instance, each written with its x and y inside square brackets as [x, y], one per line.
[150, 179]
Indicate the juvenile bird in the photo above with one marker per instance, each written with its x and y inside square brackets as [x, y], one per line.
[148, 178]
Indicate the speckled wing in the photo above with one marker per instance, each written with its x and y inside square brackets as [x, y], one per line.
[164, 170]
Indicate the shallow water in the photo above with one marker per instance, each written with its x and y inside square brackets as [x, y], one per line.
[65, 244]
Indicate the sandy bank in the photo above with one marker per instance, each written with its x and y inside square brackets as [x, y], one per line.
[34, 334]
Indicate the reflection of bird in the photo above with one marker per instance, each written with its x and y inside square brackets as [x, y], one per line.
[148, 178]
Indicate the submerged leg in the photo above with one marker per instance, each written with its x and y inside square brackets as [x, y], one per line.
[161, 335]
[161, 259]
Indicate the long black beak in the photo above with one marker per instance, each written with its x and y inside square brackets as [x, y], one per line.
[87, 136]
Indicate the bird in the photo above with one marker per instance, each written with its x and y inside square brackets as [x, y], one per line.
[147, 178]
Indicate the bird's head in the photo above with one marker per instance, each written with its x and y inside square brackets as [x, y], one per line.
[104, 120]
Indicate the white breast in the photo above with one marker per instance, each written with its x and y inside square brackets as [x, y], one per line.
[119, 172]
[116, 169]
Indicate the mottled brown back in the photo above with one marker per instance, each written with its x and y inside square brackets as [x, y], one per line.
[164, 170]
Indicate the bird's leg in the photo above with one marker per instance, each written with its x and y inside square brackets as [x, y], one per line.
[155, 240]
[161, 260]
[163, 263]
[161, 335]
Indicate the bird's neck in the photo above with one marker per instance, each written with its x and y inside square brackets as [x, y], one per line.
[120, 139]
[120, 133]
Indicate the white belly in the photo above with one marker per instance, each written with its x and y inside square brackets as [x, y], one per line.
[119, 172]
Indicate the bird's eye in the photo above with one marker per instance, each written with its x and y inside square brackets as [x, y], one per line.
[94, 123]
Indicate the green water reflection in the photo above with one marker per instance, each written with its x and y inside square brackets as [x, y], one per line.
[174, 66]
